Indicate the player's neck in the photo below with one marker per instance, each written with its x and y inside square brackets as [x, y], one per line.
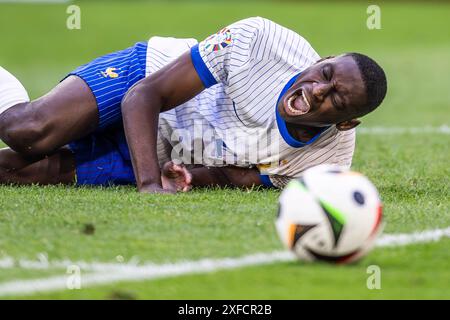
[302, 133]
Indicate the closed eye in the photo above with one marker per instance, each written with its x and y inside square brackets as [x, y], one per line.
[338, 104]
[327, 72]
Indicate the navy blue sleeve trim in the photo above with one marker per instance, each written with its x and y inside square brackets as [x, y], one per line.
[266, 181]
[201, 68]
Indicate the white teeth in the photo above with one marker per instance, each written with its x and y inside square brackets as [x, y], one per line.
[291, 101]
[290, 107]
[306, 101]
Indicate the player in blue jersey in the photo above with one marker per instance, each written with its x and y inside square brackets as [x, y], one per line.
[112, 121]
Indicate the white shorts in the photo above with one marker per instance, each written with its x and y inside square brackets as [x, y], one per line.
[12, 91]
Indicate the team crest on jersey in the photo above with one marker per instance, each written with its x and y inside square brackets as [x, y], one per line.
[110, 72]
[219, 40]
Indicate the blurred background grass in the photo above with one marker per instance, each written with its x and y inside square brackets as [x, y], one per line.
[413, 44]
[411, 171]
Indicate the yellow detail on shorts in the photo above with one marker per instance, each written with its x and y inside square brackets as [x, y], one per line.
[109, 73]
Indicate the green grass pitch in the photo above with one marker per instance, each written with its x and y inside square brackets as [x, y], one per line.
[411, 169]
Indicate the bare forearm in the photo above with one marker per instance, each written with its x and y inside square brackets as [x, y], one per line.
[225, 177]
[163, 90]
[140, 110]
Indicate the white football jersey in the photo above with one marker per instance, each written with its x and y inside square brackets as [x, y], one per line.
[245, 68]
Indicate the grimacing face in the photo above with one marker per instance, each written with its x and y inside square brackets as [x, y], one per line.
[327, 93]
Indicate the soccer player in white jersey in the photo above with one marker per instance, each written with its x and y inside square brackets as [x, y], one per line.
[252, 104]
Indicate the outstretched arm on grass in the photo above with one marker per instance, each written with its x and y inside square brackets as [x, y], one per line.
[176, 177]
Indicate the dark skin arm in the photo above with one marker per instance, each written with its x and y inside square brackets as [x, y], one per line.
[171, 86]
[225, 177]
[167, 88]
[177, 177]
[59, 168]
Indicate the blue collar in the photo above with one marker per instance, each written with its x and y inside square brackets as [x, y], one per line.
[282, 127]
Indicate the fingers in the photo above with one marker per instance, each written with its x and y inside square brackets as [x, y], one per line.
[178, 167]
[187, 175]
[168, 169]
[183, 171]
[167, 166]
[187, 188]
[177, 176]
[172, 169]
[188, 178]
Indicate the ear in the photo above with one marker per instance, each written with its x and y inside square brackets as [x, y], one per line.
[347, 125]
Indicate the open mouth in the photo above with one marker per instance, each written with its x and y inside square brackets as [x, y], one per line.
[298, 104]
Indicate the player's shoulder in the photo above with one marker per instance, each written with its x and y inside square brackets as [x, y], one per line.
[279, 42]
[264, 24]
[170, 43]
[251, 22]
[258, 23]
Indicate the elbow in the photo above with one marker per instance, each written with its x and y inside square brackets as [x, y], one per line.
[141, 95]
[133, 96]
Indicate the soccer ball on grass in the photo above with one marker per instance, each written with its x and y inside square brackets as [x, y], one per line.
[330, 214]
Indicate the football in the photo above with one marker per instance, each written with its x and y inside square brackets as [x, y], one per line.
[329, 214]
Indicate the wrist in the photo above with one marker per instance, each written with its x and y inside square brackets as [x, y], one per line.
[148, 186]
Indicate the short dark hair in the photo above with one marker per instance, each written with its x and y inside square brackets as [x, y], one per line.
[374, 80]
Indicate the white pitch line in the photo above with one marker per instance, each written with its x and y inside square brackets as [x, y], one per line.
[443, 129]
[125, 272]
[146, 272]
[403, 239]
